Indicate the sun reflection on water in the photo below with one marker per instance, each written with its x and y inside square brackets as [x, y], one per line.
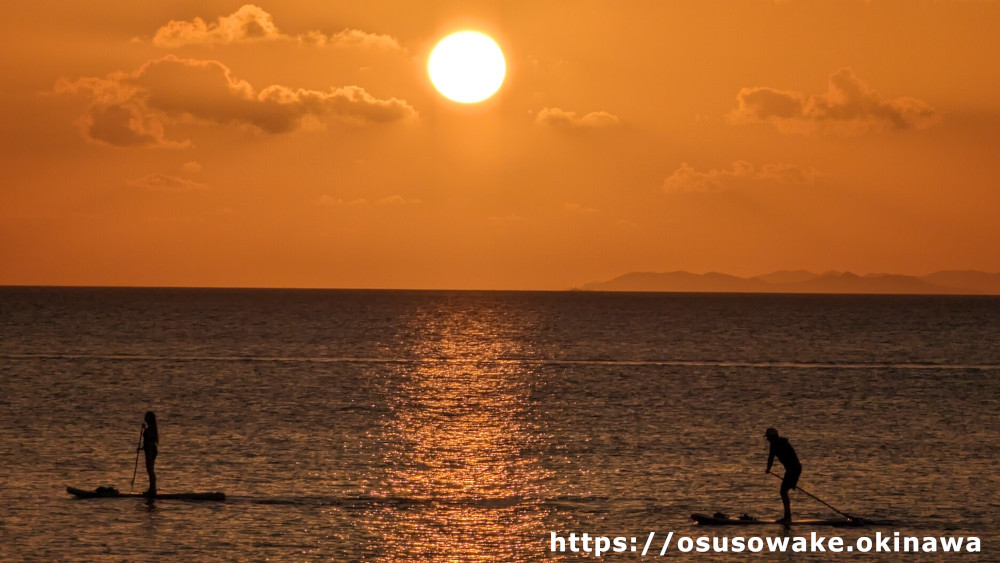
[458, 451]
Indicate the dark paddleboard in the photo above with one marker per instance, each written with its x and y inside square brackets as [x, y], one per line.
[107, 492]
[706, 520]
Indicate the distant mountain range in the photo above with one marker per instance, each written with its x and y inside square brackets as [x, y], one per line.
[954, 282]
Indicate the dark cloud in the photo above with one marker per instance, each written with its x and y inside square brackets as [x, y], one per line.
[126, 125]
[849, 106]
[132, 109]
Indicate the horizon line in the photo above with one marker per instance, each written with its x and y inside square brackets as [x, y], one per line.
[476, 290]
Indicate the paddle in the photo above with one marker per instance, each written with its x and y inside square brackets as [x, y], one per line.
[137, 448]
[828, 505]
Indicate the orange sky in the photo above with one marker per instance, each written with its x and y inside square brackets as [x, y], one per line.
[301, 144]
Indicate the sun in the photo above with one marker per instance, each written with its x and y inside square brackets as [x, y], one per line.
[467, 67]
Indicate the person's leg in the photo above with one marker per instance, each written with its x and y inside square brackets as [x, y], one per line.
[787, 502]
[788, 482]
[151, 471]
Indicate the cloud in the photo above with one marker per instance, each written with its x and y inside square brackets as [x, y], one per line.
[126, 125]
[393, 200]
[579, 208]
[249, 23]
[191, 167]
[252, 23]
[164, 183]
[740, 174]
[512, 219]
[397, 200]
[351, 38]
[849, 106]
[133, 109]
[556, 117]
[329, 201]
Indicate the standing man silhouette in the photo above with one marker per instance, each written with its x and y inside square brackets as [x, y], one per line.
[781, 449]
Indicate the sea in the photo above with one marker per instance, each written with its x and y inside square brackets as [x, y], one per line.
[476, 426]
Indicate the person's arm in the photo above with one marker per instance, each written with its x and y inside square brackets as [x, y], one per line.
[770, 460]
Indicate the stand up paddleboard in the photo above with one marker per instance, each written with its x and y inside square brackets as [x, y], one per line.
[723, 520]
[111, 492]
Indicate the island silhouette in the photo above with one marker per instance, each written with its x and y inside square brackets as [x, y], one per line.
[948, 282]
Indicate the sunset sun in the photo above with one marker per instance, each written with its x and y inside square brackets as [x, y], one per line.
[467, 67]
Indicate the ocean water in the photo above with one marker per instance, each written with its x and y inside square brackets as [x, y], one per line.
[468, 426]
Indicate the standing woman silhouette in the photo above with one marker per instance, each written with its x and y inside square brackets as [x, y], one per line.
[150, 439]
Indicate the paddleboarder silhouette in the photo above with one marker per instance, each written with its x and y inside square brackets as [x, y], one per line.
[781, 449]
[150, 440]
